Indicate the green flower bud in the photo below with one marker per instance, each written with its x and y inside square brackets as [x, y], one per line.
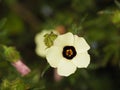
[11, 54]
[49, 39]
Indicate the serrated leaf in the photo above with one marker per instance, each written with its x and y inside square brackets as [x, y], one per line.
[49, 39]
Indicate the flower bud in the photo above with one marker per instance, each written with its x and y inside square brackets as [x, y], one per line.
[21, 67]
[11, 54]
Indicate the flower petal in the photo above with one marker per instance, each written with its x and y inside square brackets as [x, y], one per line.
[39, 40]
[80, 44]
[64, 40]
[65, 68]
[82, 60]
[40, 45]
[40, 51]
[54, 55]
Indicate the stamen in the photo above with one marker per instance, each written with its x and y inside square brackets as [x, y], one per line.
[69, 52]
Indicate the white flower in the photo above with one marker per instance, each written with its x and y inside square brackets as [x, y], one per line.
[41, 48]
[67, 53]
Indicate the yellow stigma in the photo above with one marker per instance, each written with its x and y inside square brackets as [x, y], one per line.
[69, 52]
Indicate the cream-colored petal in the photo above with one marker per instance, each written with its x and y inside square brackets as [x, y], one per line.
[82, 60]
[54, 55]
[80, 44]
[40, 36]
[64, 40]
[39, 40]
[40, 46]
[40, 51]
[66, 68]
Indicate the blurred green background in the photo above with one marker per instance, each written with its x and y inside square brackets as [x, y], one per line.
[98, 21]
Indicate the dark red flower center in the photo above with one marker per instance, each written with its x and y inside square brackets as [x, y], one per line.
[69, 52]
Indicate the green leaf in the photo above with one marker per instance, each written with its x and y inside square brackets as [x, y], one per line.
[5, 85]
[17, 85]
[117, 3]
[2, 23]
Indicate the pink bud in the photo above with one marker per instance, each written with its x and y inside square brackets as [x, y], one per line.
[21, 67]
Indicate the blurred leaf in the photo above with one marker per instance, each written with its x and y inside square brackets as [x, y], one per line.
[10, 1]
[14, 24]
[2, 23]
[4, 39]
[116, 17]
[117, 3]
[81, 5]
[5, 85]
[17, 85]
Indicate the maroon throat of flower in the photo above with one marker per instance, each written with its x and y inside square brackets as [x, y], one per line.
[69, 52]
